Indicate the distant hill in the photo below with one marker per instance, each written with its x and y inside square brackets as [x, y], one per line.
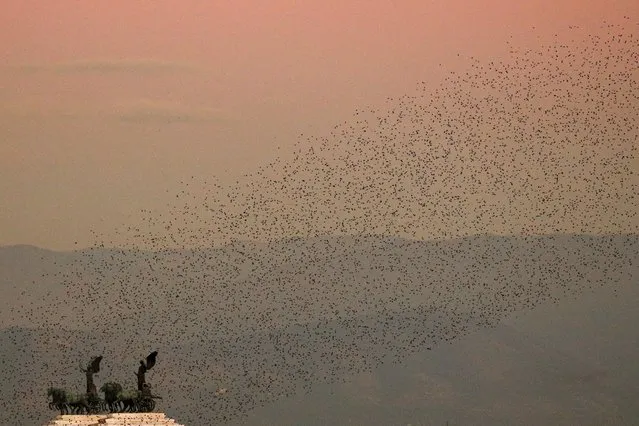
[347, 320]
[564, 364]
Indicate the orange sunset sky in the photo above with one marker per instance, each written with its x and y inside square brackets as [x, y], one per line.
[106, 105]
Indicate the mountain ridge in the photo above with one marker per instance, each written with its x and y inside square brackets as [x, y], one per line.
[278, 322]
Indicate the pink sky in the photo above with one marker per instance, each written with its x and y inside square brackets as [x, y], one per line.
[90, 91]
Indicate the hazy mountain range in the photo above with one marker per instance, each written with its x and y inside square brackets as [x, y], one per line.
[335, 330]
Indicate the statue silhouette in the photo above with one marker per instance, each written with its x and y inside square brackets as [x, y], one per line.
[92, 368]
[143, 368]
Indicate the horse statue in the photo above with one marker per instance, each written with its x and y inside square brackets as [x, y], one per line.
[111, 391]
[58, 400]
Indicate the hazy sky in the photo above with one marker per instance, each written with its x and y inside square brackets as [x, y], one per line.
[106, 105]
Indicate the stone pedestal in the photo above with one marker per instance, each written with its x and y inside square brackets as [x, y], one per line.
[115, 419]
[75, 420]
[138, 419]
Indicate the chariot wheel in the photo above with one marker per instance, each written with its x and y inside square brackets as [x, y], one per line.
[94, 404]
[147, 405]
[94, 407]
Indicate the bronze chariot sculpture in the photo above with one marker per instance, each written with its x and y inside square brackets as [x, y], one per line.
[116, 398]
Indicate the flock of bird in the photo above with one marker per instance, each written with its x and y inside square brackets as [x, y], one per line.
[378, 240]
[526, 145]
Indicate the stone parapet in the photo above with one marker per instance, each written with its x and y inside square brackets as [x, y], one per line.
[138, 419]
[115, 419]
[75, 420]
